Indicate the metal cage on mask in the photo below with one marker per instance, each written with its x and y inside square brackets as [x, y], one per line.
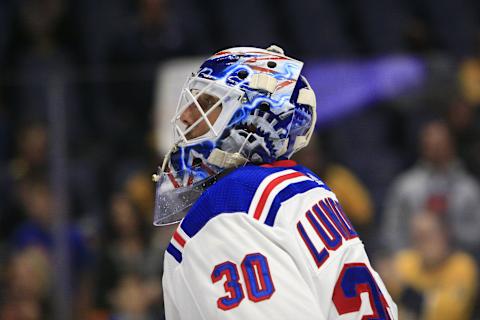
[182, 179]
[228, 100]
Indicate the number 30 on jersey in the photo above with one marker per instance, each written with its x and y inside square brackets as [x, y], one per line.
[257, 279]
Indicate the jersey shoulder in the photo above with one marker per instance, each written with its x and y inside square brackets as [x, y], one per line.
[257, 191]
[233, 193]
[250, 190]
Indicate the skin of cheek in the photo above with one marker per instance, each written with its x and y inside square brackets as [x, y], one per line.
[202, 128]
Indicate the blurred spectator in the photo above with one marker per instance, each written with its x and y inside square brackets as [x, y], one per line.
[132, 299]
[464, 121]
[159, 241]
[439, 183]
[139, 188]
[464, 115]
[124, 247]
[36, 229]
[469, 79]
[28, 161]
[352, 194]
[31, 157]
[432, 280]
[27, 286]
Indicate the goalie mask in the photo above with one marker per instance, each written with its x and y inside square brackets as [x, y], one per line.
[244, 105]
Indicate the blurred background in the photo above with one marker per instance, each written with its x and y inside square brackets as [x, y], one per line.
[85, 86]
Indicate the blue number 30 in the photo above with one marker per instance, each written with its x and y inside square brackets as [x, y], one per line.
[257, 277]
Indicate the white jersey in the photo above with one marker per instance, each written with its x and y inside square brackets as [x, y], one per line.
[270, 242]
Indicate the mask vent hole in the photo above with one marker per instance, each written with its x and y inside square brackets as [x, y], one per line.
[242, 74]
[271, 64]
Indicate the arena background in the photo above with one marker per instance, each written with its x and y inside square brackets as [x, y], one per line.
[86, 87]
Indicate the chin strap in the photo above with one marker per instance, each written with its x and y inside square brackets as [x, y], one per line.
[225, 159]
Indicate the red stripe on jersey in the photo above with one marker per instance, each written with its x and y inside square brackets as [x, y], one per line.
[280, 163]
[275, 182]
[179, 238]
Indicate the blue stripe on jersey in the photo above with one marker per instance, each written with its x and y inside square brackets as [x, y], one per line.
[175, 252]
[287, 193]
[231, 194]
[313, 176]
